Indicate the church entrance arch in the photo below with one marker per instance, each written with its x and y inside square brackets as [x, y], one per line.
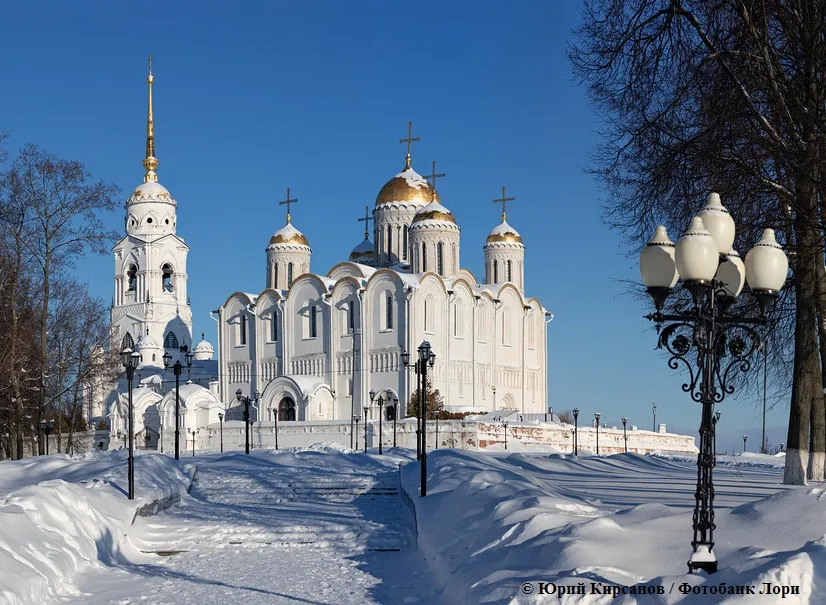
[286, 409]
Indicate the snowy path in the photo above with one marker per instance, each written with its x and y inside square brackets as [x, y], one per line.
[269, 529]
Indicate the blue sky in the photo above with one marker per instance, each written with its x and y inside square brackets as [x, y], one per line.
[315, 96]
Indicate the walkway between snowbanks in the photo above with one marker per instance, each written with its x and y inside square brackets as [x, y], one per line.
[492, 527]
[61, 516]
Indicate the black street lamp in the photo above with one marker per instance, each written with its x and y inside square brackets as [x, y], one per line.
[356, 418]
[395, 418]
[192, 432]
[426, 358]
[710, 329]
[624, 434]
[505, 426]
[46, 427]
[275, 418]
[221, 425]
[576, 432]
[366, 408]
[130, 360]
[596, 417]
[177, 368]
[419, 395]
[714, 420]
[246, 401]
[745, 438]
[438, 413]
[655, 418]
[160, 434]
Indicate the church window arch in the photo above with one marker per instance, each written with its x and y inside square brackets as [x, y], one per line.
[505, 335]
[132, 278]
[404, 242]
[166, 277]
[388, 312]
[313, 322]
[289, 274]
[242, 329]
[351, 318]
[275, 276]
[274, 326]
[127, 342]
[440, 258]
[531, 331]
[170, 341]
[389, 241]
[496, 272]
[424, 257]
[429, 311]
[508, 276]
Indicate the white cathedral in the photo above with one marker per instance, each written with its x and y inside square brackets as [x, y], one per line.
[313, 347]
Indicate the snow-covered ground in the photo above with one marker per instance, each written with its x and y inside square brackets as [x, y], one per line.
[324, 525]
[620, 520]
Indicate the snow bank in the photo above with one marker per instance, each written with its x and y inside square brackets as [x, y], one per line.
[61, 515]
[489, 524]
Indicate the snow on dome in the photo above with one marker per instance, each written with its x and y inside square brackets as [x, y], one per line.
[203, 350]
[363, 250]
[434, 211]
[289, 235]
[148, 342]
[151, 191]
[503, 232]
[407, 186]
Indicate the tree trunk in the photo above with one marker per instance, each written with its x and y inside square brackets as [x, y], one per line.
[44, 320]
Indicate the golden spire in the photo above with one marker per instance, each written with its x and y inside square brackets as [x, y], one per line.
[410, 139]
[288, 201]
[503, 200]
[150, 162]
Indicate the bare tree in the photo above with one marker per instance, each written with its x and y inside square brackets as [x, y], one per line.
[721, 95]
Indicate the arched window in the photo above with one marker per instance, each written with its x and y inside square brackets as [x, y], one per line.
[132, 278]
[289, 274]
[274, 326]
[496, 272]
[166, 280]
[242, 328]
[351, 317]
[127, 342]
[171, 341]
[509, 277]
[275, 277]
[389, 314]
[389, 241]
[505, 335]
[424, 257]
[440, 259]
[313, 323]
[404, 242]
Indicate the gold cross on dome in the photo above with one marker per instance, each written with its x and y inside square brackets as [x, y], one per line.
[288, 201]
[366, 220]
[504, 200]
[433, 176]
[410, 139]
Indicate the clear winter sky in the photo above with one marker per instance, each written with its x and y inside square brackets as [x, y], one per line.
[251, 98]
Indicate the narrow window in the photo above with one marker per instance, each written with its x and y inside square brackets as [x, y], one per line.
[504, 328]
[425, 316]
[509, 277]
[404, 242]
[242, 324]
[313, 324]
[171, 341]
[440, 259]
[424, 258]
[289, 274]
[275, 278]
[456, 319]
[274, 326]
[166, 284]
[496, 271]
[351, 318]
[127, 342]
[132, 277]
[389, 241]
[389, 323]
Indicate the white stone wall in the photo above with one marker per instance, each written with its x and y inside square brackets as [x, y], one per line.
[502, 252]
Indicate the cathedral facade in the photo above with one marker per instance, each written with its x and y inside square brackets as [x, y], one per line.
[313, 346]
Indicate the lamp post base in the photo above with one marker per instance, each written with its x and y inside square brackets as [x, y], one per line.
[703, 559]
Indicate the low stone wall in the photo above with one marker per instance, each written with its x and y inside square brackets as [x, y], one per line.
[449, 434]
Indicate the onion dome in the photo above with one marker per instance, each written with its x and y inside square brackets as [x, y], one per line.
[363, 253]
[433, 214]
[151, 191]
[406, 187]
[147, 342]
[503, 232]
[203, 350]
[289, 235]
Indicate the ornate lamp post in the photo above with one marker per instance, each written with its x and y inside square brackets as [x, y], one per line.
[419, 395]
[596, 417]
[130, 360]
[624, 434]
[710, 330]
[745, 438]
[576, 432]
[221, 425]
[714, 420]
[160, 434]
[46, 427]
[505, 426]
[426, 358]
[366, 409]
[655, 418]
[192, 432]
[356, 418]
[177, 368]
[246, 401]
[395, 418]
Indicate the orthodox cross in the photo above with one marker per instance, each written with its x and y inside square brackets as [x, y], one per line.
[288, 201]
[504, 200]
[150, 64]
[366, 220]
[433, 176]
[410, 139]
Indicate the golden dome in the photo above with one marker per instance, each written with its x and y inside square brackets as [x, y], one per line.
[504, 233]
[406, 187]
[434, 212]
[289, 235]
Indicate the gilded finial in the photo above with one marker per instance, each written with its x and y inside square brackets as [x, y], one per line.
[288, 201]
[504, 200]
[150, 162]
[410, 139]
